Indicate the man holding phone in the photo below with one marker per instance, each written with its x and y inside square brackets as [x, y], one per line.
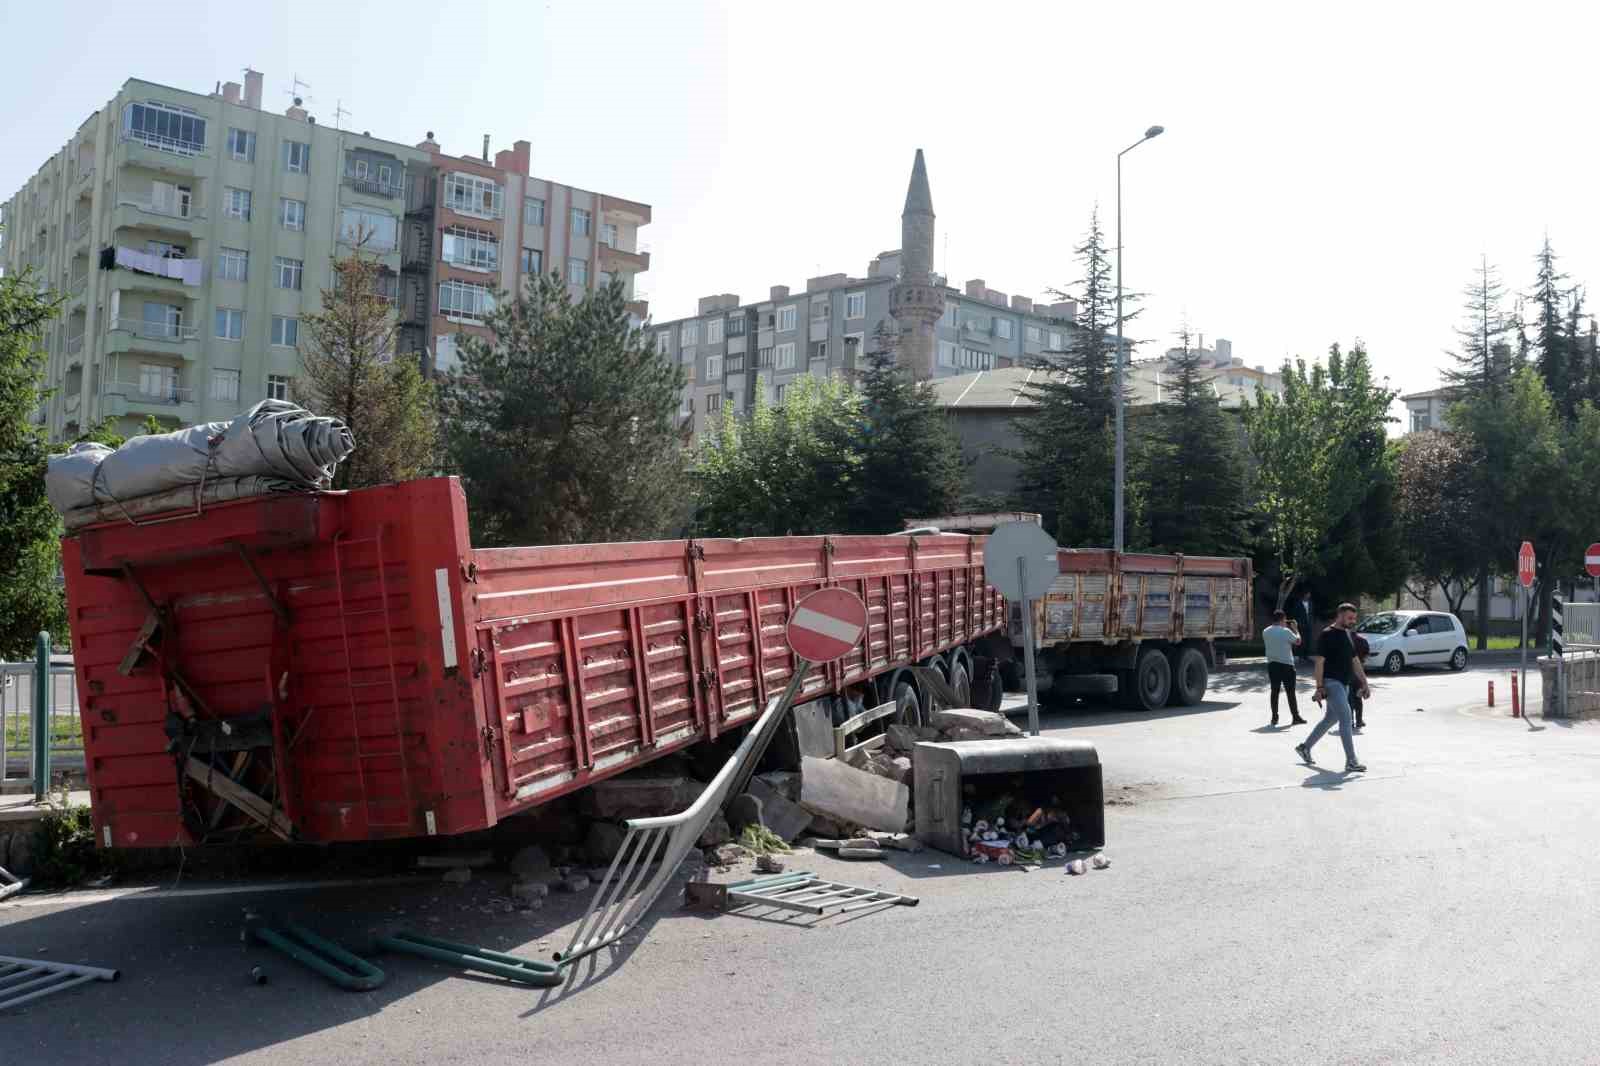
[1339, 673]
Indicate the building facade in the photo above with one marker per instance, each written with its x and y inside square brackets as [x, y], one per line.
[190, 232]
[733, 351]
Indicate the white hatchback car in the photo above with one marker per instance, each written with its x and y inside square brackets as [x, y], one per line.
[1398, 639]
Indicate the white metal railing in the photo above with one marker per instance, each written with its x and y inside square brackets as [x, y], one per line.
[1582, 624]
[373, 187]
[135, 390]
[175, 145]
[75, 344]
[161, 331]
[16, 716]
[81, 228]
[76, 286]
[183, 209]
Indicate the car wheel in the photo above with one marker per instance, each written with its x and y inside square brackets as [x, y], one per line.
[1394, 663]
[1458, 661]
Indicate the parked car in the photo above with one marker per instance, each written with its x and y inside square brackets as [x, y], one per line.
[1398, 639]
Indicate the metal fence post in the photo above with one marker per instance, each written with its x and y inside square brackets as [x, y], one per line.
[42, 685]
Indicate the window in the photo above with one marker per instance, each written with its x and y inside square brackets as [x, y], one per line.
[532, 261]
[285, 331]
[233, 264]
[1055, 341]
[783, 356]
[361, 170]
[714, 402]
[277, 387]
[608, 234]
[175, 201]
[288, 273]
[691, 333]
[1003, 328]
[855, 305]
[786, 316]
[458, 299]
[376, 231]
[763, 357]
[736, 326]
[225, 385]
[713, 367]
[582, 222]
[947, 353]
[236, 203]
[162, 320]
[470, 248]
[604, 278]
[292, 213]
[164, 127]
[1420, 420]
[714, 331]
[242, 145]
[532, 211]
[445, 357]
[819, 349]
[474, 196]
[972, 359]
[165, 250]
[230, 324]
[577, 271]
[777, 394]
[158, 381]
[664, 342]
[386, 175]
[1032, 334]
[296, 157]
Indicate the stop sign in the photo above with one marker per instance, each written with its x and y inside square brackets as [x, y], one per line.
[827, 624]
[1591, 560]
[1525, 564]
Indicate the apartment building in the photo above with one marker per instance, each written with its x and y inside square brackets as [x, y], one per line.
[477, 228]
[1233, 381]
[190, 232]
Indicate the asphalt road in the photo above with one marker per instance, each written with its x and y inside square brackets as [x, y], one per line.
[1439, 908]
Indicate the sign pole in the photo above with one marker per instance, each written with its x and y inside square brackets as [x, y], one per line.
[1027, 647]
[1523, 683]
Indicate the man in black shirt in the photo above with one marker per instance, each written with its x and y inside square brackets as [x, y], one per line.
[1339, 673]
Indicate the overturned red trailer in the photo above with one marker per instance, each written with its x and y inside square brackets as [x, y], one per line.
[346, 666]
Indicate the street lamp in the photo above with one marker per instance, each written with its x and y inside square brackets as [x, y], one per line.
[1116, 507]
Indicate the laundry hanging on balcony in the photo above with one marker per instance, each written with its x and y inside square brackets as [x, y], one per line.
[188, 271]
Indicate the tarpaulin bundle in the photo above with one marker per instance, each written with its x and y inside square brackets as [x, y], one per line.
[195, 498]
[277, 441]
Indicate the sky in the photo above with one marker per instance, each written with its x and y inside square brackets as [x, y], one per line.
[1329, 173]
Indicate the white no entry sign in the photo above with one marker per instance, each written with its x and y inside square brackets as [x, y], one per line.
[1591, 560]
[827, 624]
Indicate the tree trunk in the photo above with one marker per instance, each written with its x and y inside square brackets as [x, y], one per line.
[1483, 608]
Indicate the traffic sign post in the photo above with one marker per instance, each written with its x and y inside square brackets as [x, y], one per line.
[1525, 568]
[1020, 561]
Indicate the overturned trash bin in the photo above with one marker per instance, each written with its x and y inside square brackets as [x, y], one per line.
[962, 782]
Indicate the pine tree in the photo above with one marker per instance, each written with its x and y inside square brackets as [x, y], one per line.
[911, 464]
[1194, 495]
[1576, 342]
[564, 426]
[351, 374]
[1550, 346]
[1481, 364]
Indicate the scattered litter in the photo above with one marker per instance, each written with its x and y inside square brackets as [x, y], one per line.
[768, 865]
[935, 866]
[1101, 862]
[258, 975]
[762, 841]
[1077, 866]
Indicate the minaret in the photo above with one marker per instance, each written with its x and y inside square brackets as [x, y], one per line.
[916, 303]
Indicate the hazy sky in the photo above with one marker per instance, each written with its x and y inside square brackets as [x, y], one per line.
[1328, 172]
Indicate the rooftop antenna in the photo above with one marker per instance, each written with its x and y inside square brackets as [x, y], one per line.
[339, 112]
[295, 90]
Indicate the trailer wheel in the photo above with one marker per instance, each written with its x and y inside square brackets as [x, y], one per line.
[1152, 680]
[908, 708]
[961, 684]
[1189, 676]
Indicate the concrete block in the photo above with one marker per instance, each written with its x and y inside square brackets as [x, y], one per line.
[845, 794]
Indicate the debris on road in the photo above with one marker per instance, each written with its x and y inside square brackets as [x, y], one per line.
[321, 956]
[804, 892]
[25, 980]
[762, 841]
[725, 855]
[830, 788]
[860, 853]
[768, 864]
[471, 957]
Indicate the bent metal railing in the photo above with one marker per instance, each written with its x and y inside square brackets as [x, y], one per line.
[621, 901]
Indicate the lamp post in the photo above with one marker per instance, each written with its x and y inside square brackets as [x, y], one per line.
[1117, 540]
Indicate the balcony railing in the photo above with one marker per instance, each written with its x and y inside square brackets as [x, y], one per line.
[184, 210]
[160, 331]
[165, 144]
[372, 187]
[134, 390]
[76, 286]
[75, 345]
[81, 228]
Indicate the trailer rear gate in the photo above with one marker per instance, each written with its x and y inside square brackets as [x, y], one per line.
[1101, 596]
[381, 678]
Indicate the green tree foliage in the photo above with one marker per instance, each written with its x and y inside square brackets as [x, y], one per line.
[564, 427]
[30, 599]
[351, 374]
[1551, 343]
[1194, 484]
[1483, 361]
[1323, 481]
[1067, 461]
[792, 469]
[911, 464]
[1441, 513]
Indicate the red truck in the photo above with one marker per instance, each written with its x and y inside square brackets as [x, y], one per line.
[346, 666]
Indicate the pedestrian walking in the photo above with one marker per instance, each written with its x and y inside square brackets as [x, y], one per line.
[1339, 673]
[1281, 639]
[1357, 704]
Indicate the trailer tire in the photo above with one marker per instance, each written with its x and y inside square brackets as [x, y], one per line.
[908, 705]
[961, 684]
[1152, 680]
[1189, 676]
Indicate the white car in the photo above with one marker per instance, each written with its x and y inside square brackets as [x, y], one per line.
[1398, 639]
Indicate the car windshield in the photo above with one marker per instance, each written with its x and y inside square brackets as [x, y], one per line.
[1388, 622]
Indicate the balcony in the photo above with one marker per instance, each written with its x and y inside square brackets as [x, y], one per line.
[80, 229]
[391, 190]
[164, 154]
[130, 398]
[129, 334]
[157, 331]
[181, 217]
[616, 260]
[77, 287]
[127, 278]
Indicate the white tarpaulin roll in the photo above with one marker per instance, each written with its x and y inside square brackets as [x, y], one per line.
[274, 439]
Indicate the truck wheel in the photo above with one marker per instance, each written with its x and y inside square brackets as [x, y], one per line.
[1152, 680]
[908, 708]
[1189, 677]
[961, 684]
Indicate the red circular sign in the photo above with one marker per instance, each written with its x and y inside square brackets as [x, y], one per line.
[827, 624]
[1525, 564]
[1591, 559]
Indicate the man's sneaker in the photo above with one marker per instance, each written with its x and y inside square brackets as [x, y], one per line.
[1297, 721]
[1304, 753]
[1354, 768]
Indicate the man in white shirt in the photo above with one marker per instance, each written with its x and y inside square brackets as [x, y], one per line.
[1281, 638]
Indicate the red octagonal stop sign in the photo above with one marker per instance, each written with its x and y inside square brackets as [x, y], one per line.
[827, 624]
[1525, 564]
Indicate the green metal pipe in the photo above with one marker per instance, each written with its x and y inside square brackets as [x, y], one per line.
[768, 882]
[365, 978]
[471, 957]
[41, 717]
